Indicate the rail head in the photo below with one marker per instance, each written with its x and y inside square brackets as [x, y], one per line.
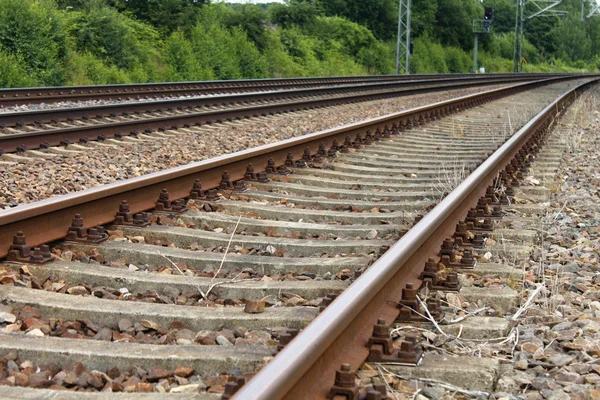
[305, 368]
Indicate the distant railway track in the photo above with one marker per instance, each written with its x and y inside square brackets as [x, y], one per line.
[30, 130]
[10, 97]
[382, 175]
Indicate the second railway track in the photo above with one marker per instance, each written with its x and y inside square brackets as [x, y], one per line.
[19, 96]
[333, 204]
[22, 131]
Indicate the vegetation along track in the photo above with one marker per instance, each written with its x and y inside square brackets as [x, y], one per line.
[23, 131]
[287, 241]
[10, 97]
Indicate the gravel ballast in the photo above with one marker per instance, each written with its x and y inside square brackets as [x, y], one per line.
[66, 173]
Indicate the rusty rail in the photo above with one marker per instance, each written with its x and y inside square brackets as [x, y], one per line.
[48, 220]
[9, 97]
[305, 369]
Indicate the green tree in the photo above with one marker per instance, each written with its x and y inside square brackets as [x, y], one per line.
[112, 37]
[34, 33]
[165, 15]
[380, 16]
[295, 13]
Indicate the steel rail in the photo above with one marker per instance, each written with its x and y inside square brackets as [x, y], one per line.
[52, 137]
[16, 96]
[48, 220]
[59, 114]
[305, 368]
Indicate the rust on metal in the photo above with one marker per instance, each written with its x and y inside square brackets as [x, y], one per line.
[233, 386]
[197, 193]
[381, 347]
[410, 309]
[345, 384]
[286, 337]
[436, 278]
[77, 232]
[21, 252]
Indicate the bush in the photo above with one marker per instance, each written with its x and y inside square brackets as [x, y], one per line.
[457, 60]
[428, 57]
[13, 72]
[34, 33]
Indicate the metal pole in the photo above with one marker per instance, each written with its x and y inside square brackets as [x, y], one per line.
[475, 53]
[407, 66]
[522, 37]
[516, 52]
[399, 35]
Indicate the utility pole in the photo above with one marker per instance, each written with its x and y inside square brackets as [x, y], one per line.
[545, 8]
[403, 46]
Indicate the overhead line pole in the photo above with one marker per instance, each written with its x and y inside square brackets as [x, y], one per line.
[543, 11]
[403, 40]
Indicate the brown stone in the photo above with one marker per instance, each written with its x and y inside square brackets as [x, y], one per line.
[158, 373]
[78, 291]
[134, 380]
[184, 371]
[144, 387]
[216, 389]
[254, 306]
[21, 379]
[147, 324]
[113, 372]
[28, 312]
[206, 338]
[40, 380]
[529, 347]
[95, 380]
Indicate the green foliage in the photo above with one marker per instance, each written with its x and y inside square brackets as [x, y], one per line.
[112, 37]
[13, 72]
[457, 60]
[379, 16]
[34, 33]
[86, 69]
[250, 19]
[428, 57]
[58, 42]
[165, 15]
[295, 13]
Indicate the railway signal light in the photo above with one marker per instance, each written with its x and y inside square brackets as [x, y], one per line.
[488, 14]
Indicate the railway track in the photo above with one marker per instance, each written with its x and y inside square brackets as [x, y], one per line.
[11, 97]
[30, 130]
[336, 206]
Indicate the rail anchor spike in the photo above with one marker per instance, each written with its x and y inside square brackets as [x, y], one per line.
[435, 277]
[411, 310]
[164, 204]
[286, 337]
[381, 347]
[376, 392]
[233, 386]
[197, 193]
[80, 234]
[327, 300]
[20, 251]
[345, 384]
